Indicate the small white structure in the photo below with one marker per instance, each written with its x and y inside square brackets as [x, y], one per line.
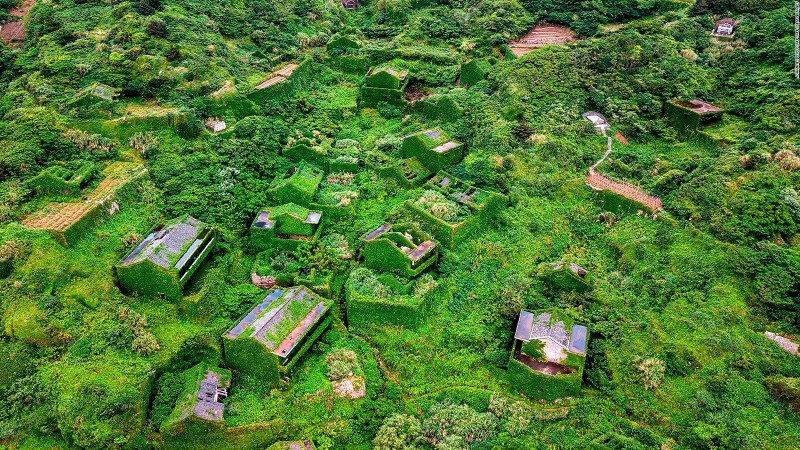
[215, 125]
[724, 28]
[597, 119]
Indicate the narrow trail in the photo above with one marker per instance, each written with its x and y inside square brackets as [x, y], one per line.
[597, 181]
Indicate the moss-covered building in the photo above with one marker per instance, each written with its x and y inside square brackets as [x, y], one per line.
[408, 172]
[566, 275]
[200, 401]
[439, 107]
[95, 94]
[433, 148]
[285, 226]
[383, 299]
[548, 356]
[400, 248]
[269, 340]
[309, 149]
[474, 71]
[690, 115]
[453, 210]
[384, 84]
[59, 180]
[298, 185]
[167, 258]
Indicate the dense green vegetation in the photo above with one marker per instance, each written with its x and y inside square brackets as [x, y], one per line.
[677, 305]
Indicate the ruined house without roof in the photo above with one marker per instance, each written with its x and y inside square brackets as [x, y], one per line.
[433, 148]
[551, 330]
[548, 356]
[284, 226]
[400, 248]
[201, 399]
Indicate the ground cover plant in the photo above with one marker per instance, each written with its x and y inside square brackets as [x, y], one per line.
[102, 113]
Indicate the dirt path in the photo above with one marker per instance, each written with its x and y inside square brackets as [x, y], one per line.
[600, 182]
[13, 32]
[541, 35]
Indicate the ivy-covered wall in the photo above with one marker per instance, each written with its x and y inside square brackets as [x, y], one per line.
[305, 151]
[686, 120]
[420, 146]
[148, 278]
[474, 71]
[124, 128]
[383, 253]
[613, 202]
[451, 234]
[296, 82]
[70, 235]
[539, 386]
[59, 180]
[408, 172]
[405, 310]
[440, 107]
[249, 357]
[565, 278]
[298, 188]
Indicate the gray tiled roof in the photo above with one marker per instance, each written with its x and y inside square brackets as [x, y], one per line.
[543, 326]
[207, 406]
[165, 246]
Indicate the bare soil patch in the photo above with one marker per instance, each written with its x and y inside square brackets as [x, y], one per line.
[415, 93]
[14, 32]
[540, 36]
[547, 368]
[351, 387]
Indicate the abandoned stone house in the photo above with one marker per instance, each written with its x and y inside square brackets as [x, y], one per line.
[201, 399]
[284, 226]
[275, 333]
[350, 4]
[208, 404]
[550, 329]
[400, 248]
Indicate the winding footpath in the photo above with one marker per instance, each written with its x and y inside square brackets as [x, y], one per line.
[600, 182]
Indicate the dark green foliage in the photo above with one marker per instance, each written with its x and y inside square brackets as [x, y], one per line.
[474, 71]
[442, 108]
[677, 308]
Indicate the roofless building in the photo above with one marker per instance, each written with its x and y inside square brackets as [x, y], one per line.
[549, 354]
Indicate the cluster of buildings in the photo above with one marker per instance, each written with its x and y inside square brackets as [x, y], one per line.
[269, 340]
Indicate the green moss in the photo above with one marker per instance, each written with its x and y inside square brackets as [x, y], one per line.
[298, 186]
[474, 71]
[433, 149]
